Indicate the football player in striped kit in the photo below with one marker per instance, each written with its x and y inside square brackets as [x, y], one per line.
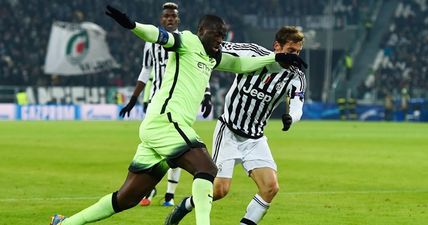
[154, 63]
[239, 137]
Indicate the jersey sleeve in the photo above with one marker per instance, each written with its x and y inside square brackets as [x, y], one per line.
[244, 64]
[154, 34]
[296, 93]
[147, 63]
[244, 49]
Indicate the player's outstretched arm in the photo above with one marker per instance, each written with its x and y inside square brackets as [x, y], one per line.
[247, 64]
[146, 32]
[235, 64]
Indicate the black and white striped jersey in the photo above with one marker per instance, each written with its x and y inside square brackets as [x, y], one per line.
[252, 97]
[155, 58]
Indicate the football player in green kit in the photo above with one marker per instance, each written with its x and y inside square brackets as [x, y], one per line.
[166, 133]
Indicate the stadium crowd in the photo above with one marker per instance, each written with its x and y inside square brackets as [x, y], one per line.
[403, 67]
[25, 26]
[306, 13]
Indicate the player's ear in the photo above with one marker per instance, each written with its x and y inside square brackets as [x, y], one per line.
[200, 30]
[276, 46]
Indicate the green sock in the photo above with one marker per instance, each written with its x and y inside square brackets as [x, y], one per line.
[202, 191]
[98, 211]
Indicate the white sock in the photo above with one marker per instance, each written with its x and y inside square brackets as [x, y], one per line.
[188, 204]
[173, 178]
[255, 211]
[152, 194]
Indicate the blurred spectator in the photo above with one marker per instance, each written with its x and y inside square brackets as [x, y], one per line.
[21, 97]
[405, 97]
[274, 13]
[119, 98]
[25, 27]
[389, 107]
[348, 65]
[405, 53]
[368, 24]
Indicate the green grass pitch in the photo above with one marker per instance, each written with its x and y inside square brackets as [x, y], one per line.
[330, 173]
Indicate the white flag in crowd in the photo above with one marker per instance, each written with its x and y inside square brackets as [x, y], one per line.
[76, 49]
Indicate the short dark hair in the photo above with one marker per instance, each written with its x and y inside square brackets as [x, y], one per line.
[289, 33]
[211, 21]
[170, 5]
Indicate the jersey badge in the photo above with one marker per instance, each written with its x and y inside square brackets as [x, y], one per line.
[279, 86]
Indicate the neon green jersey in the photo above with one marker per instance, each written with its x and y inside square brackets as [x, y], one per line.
[187, 74]
[188, 71]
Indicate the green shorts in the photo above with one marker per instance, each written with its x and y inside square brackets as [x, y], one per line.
[162, 138]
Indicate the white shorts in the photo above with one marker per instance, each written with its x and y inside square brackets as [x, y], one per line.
[230, 149]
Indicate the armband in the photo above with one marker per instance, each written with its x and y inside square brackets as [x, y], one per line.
[163, 37]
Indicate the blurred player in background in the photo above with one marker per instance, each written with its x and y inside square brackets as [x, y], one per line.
[154, 63]
[166, 133]
[239, 137]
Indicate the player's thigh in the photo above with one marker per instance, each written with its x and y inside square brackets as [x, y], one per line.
[145, 157]
[167, 137]
[196, 160]
[225, 152]
[257, 154]
[180, 145]
[146, 168]
[218, 136]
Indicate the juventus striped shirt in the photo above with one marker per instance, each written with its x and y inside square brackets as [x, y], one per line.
[252, 97]
[155, 58]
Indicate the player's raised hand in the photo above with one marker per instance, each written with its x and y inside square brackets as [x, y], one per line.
[286, 122]
[285, 60]
[120, 17]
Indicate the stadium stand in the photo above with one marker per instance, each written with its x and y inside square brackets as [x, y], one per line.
[401, 63]
[386, 40]
[25, 27]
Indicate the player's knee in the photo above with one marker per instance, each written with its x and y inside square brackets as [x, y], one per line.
[269, 190]
[210, 169]
[213, 170]
[274, 189]
[221, 188]
[220, 191]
